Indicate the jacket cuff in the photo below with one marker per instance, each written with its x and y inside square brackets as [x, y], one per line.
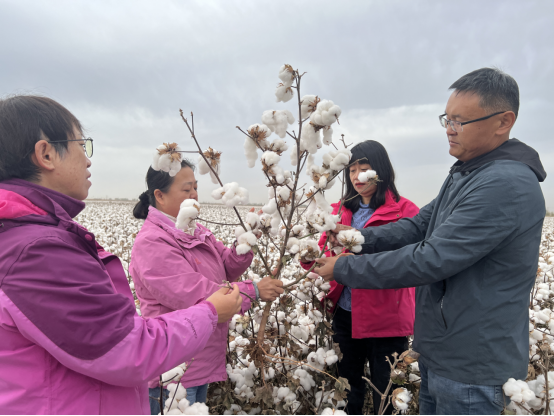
[213, 310]
[256, 289]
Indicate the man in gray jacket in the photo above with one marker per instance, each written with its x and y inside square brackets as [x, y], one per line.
[472, 254]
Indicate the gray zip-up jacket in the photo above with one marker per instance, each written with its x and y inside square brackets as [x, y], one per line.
[472, 254]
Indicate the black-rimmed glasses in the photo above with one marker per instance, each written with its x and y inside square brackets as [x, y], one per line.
[458, 126]
[87, 145]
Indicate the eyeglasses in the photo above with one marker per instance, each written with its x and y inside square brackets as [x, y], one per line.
[87, 145]
[457, 126]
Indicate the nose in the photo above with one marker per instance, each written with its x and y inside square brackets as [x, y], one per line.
[194, 195]
[89, 163]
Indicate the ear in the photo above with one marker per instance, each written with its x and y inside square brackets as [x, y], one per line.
[159, 198]
[507, 121]
[44, 156]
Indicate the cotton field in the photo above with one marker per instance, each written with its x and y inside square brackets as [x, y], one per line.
[298, 360]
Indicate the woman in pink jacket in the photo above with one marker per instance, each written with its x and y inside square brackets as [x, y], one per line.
[174, 270]
[71, 340]
[370, 324]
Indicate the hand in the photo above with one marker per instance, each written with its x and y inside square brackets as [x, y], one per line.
[226, 302]
[333, 234]
[326, 266]
[270, 289]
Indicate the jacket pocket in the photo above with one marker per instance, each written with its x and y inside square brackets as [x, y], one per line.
[442, 312]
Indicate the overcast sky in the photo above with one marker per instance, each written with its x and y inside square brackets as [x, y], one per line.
[125, 68]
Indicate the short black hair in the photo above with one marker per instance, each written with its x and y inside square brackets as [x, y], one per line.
[374, 153]
[24, 120]
[497, 90]
[155, 179]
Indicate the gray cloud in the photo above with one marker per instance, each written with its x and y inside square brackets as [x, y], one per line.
[125, 68]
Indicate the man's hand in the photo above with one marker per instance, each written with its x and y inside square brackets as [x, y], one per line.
[226, 302]
[270, 289]
[333, 234]
[326, 266]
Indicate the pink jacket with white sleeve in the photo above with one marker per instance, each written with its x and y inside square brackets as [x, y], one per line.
[174, 270]
[71, 340]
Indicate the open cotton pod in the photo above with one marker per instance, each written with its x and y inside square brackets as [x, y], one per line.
[190, 208]
[167, 158]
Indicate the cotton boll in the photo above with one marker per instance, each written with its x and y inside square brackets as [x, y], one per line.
[311, 138]
[203, 167]
[341, 160]
[251, 152]
[277, 121]
[308, 104]
[188, 211]
[183, 404]
[351, 240]
[327, 135]
[177, 391]
[293, 245]
[283, 93]
[270, 158]
[173, 375]
[366, 176]
[247, 238]
[326, 113]
[278, 146]
[401, 398]
[286, 74]
[253, 220]
[172, 412]
[197, 409]
[270, 207]
[294, 155]
[243, 249]
[157, 155]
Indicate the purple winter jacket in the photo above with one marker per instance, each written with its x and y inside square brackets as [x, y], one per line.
[174, 270]
[70, 339]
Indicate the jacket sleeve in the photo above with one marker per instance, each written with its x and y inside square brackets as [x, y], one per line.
[235, 264]
[478, 224]
[61, 298]
[173, 281]
[396, 235]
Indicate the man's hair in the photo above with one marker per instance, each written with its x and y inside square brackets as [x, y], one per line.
[24, 120]
[497, 90]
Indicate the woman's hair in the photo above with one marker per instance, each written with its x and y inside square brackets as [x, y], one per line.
[24, 120]
[155, 179]
[374, 153]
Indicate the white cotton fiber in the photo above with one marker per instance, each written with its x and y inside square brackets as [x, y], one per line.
[366, 176]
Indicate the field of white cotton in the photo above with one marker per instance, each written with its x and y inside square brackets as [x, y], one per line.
[298, 360]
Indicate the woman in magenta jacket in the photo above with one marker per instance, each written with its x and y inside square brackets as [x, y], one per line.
[184, 271]
[370, 324]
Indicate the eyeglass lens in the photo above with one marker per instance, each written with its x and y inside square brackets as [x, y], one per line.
[455, 125]
[88, 148]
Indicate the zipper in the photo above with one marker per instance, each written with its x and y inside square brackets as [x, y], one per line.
[442, 313]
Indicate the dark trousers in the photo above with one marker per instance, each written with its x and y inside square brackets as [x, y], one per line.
[355, 353]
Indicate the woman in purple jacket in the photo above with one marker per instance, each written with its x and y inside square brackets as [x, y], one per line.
[71, 341]
[185, 270]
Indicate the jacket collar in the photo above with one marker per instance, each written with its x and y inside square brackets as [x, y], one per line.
[390, 210]
[54, 203]
[160, 220]
[511, 149]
